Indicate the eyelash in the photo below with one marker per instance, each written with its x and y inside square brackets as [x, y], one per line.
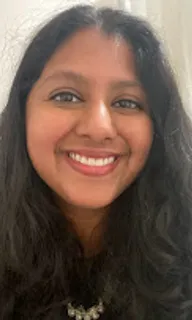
[132, 104]
[66, 94]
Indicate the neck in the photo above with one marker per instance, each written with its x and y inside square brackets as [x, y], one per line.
[89, 226]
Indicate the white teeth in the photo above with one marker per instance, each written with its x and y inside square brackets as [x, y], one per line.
[91, 161]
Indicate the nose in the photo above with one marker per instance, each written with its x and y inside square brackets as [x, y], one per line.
[96, 123]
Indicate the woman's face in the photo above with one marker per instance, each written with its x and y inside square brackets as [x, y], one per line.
[87, 122]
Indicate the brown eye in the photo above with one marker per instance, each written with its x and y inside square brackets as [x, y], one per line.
[65, 97]
[127, 104]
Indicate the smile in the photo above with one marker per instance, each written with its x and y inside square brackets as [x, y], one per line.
[91, 163]
[100, 162]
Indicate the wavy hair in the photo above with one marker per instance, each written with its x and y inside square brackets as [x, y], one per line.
[145, 272]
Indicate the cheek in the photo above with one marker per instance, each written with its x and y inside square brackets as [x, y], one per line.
[138, 134]
[45, 127]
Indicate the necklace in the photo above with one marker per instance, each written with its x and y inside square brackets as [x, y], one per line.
[81, 314]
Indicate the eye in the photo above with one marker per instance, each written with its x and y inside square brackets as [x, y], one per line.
[65, 97]
[127, 104]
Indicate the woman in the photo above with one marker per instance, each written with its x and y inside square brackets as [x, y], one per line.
[95, 176]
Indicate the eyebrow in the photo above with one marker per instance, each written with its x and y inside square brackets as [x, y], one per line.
[79, 78]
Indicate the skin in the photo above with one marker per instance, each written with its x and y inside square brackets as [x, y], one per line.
[95, 119]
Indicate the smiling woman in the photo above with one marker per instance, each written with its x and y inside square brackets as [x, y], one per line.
[95, 178]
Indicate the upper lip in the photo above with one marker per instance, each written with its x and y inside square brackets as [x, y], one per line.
[93, 153]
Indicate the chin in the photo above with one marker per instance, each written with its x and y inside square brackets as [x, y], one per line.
[89, 203]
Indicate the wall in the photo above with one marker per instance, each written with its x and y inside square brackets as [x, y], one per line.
[172, 20]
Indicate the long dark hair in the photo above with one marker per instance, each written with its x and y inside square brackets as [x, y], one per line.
[145, 272]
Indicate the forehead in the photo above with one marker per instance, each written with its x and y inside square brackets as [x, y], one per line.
[93, 53]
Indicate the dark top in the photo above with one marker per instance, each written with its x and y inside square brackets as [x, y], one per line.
[83, 281]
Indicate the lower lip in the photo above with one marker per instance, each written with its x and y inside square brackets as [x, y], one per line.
[92, 170]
